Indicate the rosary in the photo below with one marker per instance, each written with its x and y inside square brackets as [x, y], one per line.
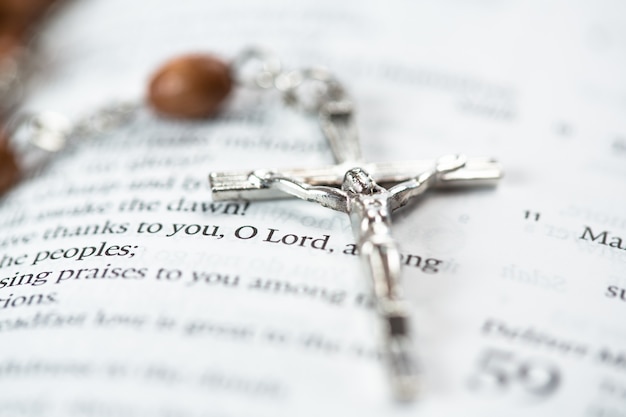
[195, 86]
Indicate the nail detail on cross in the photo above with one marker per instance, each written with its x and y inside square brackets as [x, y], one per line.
[352, 186]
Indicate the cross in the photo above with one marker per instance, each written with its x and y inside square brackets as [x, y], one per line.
[352, 186]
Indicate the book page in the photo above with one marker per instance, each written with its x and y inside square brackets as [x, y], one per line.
[126, 291]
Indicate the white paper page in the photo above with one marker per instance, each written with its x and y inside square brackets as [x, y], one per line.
[521, 316]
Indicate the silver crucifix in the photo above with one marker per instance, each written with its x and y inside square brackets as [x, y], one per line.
[352, 186]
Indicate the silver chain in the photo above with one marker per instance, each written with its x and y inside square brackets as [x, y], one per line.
[312, 90]
[308, 89]
[52, 132]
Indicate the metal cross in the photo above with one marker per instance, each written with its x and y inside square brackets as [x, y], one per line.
[352, 186]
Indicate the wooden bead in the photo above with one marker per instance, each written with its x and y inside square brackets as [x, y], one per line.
[9, 46]
[13, 34]
[24, 10]
[9, 168]
[191, 86]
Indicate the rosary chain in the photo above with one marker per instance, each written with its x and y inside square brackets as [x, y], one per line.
[308, 89]
[311, 90]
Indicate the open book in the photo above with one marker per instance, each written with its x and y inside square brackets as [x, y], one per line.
[126, 291]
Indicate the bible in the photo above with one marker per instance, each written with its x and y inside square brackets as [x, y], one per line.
[126, 289]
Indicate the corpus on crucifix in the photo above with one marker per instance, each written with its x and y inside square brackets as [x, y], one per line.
[352, 186]
[370, 206]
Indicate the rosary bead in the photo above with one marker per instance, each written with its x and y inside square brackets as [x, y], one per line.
[24, 10]
[9, 169]
[9, 46]
[191, 86]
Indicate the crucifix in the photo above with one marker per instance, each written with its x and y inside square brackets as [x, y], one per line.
[353, 186]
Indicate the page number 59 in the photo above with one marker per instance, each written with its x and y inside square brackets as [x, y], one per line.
[502, 372]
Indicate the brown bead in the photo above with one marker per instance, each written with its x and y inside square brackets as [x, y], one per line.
[9, 168]
[9, 46]
[190, 86]
[13, 33]
[24, 10]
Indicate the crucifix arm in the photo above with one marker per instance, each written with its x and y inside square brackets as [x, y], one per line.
[330, 197]
[402, 193]
[405, 191]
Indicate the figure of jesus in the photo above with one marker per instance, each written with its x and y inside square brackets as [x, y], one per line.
[370, 206]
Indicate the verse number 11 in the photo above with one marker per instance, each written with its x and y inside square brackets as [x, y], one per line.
[500, 371]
